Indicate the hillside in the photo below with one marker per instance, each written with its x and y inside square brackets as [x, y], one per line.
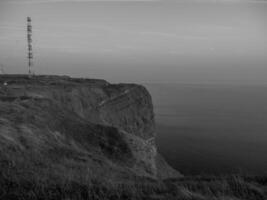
[68, 138]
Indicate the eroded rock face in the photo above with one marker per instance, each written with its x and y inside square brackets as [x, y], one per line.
[126, 108]
[130, 110]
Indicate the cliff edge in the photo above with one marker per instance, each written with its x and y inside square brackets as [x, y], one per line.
[54, 125]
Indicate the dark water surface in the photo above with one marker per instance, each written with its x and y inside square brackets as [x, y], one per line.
[212, 128]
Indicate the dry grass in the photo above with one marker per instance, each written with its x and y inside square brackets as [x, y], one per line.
[50, 153]
[30, 178]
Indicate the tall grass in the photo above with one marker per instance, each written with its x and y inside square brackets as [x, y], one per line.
[49, 185]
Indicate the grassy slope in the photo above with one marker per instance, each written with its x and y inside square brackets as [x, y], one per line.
[37, 162]
[47, 152]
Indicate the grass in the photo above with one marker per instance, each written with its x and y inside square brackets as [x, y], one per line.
[48, 152]
[27, 178]
[32, 168]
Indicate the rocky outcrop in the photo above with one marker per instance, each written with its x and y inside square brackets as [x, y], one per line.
[113, 123]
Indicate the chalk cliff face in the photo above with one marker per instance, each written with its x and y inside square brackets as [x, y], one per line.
[108, 127]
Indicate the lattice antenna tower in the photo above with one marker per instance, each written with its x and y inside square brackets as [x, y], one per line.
[30, 50]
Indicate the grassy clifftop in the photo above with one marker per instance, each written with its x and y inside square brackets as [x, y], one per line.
[64, 138]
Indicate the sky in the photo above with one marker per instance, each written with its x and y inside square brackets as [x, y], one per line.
[181, 41]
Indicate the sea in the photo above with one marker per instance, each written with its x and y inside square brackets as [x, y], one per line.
[212, 129]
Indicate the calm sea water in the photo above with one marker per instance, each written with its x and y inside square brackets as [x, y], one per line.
[211, 128]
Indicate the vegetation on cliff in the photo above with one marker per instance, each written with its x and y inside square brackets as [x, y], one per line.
[64, 138]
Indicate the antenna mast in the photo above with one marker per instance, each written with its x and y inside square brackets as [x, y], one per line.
[29, 37]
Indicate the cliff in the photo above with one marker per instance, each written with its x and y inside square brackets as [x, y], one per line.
[65, 138]
[81, 127]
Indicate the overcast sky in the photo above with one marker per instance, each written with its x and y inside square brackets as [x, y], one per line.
[194, 41]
